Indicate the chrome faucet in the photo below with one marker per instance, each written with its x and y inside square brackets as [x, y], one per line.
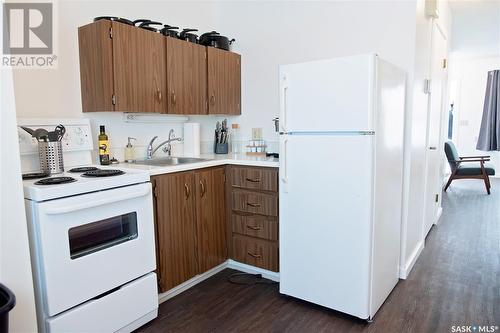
[168, 147]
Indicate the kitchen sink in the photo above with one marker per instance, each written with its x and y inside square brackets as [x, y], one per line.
[167, 161]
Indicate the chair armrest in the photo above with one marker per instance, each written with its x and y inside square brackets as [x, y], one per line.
[474, 157]
[475, 160]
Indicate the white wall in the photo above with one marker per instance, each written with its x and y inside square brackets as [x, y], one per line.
[15, 265]
[470, 76]
[476, 28]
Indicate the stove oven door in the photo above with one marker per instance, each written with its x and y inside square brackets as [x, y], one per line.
[90, 244]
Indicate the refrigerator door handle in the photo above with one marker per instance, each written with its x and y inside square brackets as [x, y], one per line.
[284, 90]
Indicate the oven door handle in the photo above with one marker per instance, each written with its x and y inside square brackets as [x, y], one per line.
[89, 204]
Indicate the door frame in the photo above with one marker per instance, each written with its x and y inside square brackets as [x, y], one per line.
[444, 99]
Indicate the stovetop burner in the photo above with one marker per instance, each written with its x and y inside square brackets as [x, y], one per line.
[103, 173]
[35, 175]
[83, 169]
[55, 181]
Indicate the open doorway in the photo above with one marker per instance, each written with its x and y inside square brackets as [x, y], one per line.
[474, 53]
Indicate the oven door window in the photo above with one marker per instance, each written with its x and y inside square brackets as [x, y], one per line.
[96, 236]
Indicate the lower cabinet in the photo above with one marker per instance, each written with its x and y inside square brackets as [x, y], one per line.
[190, 224]
[210, 218]
[252, 195]
[201, 221]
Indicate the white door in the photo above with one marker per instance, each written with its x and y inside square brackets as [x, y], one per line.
[328, 95]
[434, 129]
[326, 187]
[89, 244]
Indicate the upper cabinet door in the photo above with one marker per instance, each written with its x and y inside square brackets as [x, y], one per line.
[224, 82]
[186, 77]
[139, 69]
[96, 66]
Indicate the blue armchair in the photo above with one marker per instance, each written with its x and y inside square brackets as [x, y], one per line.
[460, 168]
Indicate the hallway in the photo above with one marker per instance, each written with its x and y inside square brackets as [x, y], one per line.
[456, 281]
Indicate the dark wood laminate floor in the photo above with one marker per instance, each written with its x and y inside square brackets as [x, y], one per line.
[456, 281]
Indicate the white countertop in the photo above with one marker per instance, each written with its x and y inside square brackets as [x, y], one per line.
[214, 160]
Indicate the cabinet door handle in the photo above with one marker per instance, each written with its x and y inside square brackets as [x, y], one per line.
[186, 190]
[253, 227]
[159, 96]
[251, 204]
[212, 99]
[253, 180]
[256, 256]
[174, 99]
[202, 186]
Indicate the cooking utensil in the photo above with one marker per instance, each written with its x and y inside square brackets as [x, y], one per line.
[41, 135]
[60, 130]
[53, 136]
[215, 39]
[114, 18]
[204, 38]
[29, 130]
[186, 34]
[139, 21]
[169, 31]
[57, 134]
[148, 25]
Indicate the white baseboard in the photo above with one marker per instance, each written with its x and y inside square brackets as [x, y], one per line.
[227, 264]
[190, 283]
[438, 215]
[253, 270]
[405, 271]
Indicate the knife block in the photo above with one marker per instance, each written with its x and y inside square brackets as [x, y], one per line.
[221, 148]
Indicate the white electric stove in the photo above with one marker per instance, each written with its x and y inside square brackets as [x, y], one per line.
[91, 239]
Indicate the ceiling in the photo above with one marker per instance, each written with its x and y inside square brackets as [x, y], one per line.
[475, 27]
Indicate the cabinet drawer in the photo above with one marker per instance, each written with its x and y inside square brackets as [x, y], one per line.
[255, 226]
[255, 252]
[252, 202]
[255, 179]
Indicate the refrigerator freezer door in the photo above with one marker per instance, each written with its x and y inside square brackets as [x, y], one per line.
[328, 95]
[326, 185]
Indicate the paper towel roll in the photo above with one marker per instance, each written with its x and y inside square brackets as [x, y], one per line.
[192, 139]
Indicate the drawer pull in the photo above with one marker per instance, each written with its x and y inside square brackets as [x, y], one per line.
[256, 256]
[253, 204]
[253, 227]
[253, 180]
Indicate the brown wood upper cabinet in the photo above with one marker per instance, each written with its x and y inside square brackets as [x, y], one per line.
[187, 77]
[128, 69]
[122, 68]
[190, 224]
[224, 82]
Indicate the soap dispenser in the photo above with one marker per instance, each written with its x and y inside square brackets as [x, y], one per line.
[129, 151]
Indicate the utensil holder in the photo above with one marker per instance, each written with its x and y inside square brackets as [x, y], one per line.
[51, 157]
[221, 148]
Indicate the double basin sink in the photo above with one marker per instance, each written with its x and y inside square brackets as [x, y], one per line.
[171, 161]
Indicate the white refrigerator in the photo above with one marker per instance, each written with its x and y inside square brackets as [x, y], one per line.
[341, 175]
